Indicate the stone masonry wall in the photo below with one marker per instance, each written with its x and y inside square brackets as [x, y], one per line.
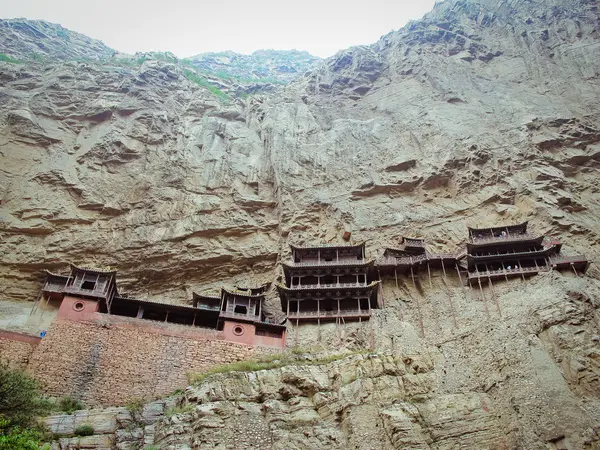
[116, 359]
[16, 348]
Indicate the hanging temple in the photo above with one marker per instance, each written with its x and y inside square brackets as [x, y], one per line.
[322, 283]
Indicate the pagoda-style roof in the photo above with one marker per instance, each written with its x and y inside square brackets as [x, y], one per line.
[97, 270]
[517, 228]
[254, 290]
[55, 275]
[329, 246]
[412, 242]
[161, 305]
[205, 296]
[242, 293]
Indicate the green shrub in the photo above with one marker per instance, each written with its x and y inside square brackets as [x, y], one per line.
[179, 409]
[273, 361]
[20, 397]
[69, 405]
[203, 82]
[84, 430]
[17, 438]
[6, 58]
[135, 406]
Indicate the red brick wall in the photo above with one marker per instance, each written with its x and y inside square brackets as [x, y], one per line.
[16, 348]
[110, 360]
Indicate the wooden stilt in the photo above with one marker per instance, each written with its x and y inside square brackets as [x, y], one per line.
[483, 297]
[194, 321]
[396, 277]
[460, 278]
[574, 270]
[495, 297]
[429, 274]
[444, 269]
[417, 303]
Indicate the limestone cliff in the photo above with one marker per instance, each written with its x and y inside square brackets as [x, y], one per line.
[482, 112]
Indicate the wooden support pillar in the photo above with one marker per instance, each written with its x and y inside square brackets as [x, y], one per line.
[396, 277]
[483, 297]
[460, 277]
[412, 275]
[194, 320]
[319, 320]
[288, 306]
[297, 317]
[494, 296]
[140, 313]
[167, 316]
[429, 273]
[573, 267]
[259, 308]
[443, 269]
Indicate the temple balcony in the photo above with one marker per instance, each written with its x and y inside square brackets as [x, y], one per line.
[96, 292]
[504, 273]
[508, 255]
[505, 238]
[564, 262]
[322, 263]
[54, 287]
[329, 286]
[207, 307]
[343, 313]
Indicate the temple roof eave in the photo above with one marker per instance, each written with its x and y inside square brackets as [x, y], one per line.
[327, 246]
[107, 271]
[501, 227]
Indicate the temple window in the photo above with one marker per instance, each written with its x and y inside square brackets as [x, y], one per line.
[240, 309]
[88, 285]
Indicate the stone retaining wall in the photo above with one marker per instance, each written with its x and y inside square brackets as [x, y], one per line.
[16, 348]
[111, 360]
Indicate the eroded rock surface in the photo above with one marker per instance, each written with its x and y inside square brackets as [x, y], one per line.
[481, 113]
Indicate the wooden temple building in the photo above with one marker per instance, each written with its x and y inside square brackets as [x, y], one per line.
[237, 312]
[328, 283]
[514, 251]
[411, 257]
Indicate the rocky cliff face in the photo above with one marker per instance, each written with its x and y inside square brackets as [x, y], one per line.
[266, 65]
[37, 39]
[482, 112]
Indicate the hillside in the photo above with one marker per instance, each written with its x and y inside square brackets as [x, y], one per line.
[481, 113]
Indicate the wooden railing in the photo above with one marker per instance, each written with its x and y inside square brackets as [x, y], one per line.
[329, 314]
[576, 259]
[54, 287]
[499, 255]
[208, 307]
[349, 262]
[328, 286]
[507, 272]
[507, 238]
[78, 290]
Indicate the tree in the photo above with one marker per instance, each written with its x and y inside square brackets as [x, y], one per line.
[20, 397]
[17, 438]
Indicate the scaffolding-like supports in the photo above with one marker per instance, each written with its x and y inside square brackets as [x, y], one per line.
[494, 296]
[417, 302]
[483, 297]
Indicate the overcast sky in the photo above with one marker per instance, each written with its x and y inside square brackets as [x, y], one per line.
[189, 27]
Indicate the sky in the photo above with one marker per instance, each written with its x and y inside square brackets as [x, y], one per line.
[189, 27]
